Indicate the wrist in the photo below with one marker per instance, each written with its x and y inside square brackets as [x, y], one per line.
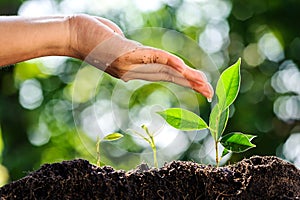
[72, 43]
[58, 42]
[51, 36]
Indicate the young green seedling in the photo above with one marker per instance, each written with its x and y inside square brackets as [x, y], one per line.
[109, 137]
[150, 140]
[227, 90]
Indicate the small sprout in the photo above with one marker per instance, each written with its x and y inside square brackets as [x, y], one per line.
[109, 137]
[150, 140]
[227, 90]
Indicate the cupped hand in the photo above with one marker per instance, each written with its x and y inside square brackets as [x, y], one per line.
[101, 43]
[153, 64]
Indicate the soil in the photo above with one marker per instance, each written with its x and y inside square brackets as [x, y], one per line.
[256, 178]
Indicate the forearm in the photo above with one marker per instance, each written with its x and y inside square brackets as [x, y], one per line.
[98, 42]
[26, 38]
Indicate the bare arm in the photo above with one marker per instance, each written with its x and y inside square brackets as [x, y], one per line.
[24, 38]
[97, 41]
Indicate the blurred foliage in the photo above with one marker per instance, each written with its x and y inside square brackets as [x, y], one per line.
[52, 109]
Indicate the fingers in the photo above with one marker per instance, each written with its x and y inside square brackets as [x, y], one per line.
[161, 72]
[111, 25]
[153, 64]
[197, 79]
[172, 66]
[147, 55]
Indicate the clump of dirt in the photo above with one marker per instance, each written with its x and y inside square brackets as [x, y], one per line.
[255, 178]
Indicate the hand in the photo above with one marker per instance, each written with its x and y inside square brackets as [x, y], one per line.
[102, 44]
[157, 65]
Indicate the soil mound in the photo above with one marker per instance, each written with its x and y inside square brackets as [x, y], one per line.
[256, 178]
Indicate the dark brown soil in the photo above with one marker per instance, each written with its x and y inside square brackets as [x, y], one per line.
[254, 178]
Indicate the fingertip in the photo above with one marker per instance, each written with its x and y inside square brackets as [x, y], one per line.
[206, 90]
[210, 92]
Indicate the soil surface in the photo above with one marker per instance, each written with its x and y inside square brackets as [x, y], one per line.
[255, 178]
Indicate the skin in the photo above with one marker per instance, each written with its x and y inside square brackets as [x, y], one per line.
[77, 36]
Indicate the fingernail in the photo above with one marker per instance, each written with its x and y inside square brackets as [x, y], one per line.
[209, 98]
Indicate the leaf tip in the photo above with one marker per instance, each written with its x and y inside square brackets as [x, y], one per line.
[159, 112]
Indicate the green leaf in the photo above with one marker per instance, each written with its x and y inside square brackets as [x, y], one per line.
[237, 142]
[183, 119]
[225, 152]
[228, 85]
[113, 136]
[218, 121]
[250, 137]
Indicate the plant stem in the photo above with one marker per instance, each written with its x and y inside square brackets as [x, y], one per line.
[98, 151]
[214, 134]
[217, 153]
[153, 146]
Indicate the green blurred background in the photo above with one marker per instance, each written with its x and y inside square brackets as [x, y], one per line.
[54, 108]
